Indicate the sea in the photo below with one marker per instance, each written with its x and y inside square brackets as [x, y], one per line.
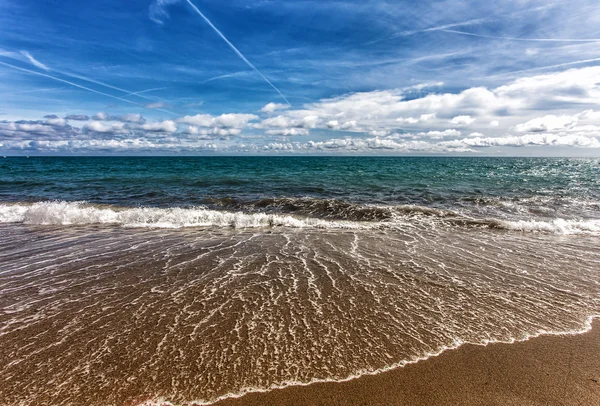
[186, 280]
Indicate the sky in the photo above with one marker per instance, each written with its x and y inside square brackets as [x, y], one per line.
[272, 77]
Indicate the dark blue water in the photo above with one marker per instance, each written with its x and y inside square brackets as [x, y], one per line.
[512, 188]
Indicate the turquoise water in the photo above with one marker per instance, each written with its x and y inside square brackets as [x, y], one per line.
[500, 188]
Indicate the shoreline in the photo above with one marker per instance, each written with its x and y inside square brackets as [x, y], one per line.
[550, 368]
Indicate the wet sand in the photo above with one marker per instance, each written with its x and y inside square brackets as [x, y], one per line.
[101, 316]
[547, 370]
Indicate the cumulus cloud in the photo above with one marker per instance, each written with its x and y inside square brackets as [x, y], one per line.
[336, 125]
[230, 121]
[130, 145]
[101, 116]
[547, 123]
[167, 126]
[211, 133]
[132, 118]
[440, 134]
[590, 115]
[125, 118]
[286, 132]
[408, 120]
[474, 109]
[234, 120]
[272, 107]
[568, 140]
[463, 120]
[556, 110]
[199, 120]
[56, 121]
[77, 117]
[412, 120]
[308, 121]
[101, 127]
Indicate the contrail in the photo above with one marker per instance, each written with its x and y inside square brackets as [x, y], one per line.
[33, 90]
[522, 39]
[144, 91]
[237, 51]
[228, 75]
[544, 67]
[128, 92]
[34, 61]
[69, 83]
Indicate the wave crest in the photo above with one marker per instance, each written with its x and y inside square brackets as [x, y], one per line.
[80, 213]
[293, 213]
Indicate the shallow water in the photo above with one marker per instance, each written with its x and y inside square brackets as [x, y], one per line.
[100, 315]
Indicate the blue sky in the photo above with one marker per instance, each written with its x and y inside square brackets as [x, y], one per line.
[299, 77]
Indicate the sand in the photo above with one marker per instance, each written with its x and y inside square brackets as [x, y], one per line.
[547, 370]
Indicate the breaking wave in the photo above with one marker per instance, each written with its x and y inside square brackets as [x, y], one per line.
[283, 212]
[80, 213]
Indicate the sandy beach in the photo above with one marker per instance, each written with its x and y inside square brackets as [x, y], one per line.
[546, 370]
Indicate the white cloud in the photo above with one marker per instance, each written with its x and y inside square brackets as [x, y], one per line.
[547, 123]
[239, 121]
[31, 127]
[551, 110]
[199, 120]
[309, 121]
[272, 107]
[475, 109]
[412, 120]
[209, 133]
[234, 120]
[427, 117]
[422, 86]
[590, 115]
[463, 120]
[441, 134]
[408, 120]
[157, 105]
[547, 139]
[167, 126]
[100, 127]
[336, 125]
[287, 131]
[132, 118]
[276, 122]
[101, 116]
[77, 117]
[56, 122]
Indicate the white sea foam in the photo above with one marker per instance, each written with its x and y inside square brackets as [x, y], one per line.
[80, 213]
[586, 327]
[556, 226]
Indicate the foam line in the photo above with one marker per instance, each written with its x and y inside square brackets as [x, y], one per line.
[80, 213]
[586, 327]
